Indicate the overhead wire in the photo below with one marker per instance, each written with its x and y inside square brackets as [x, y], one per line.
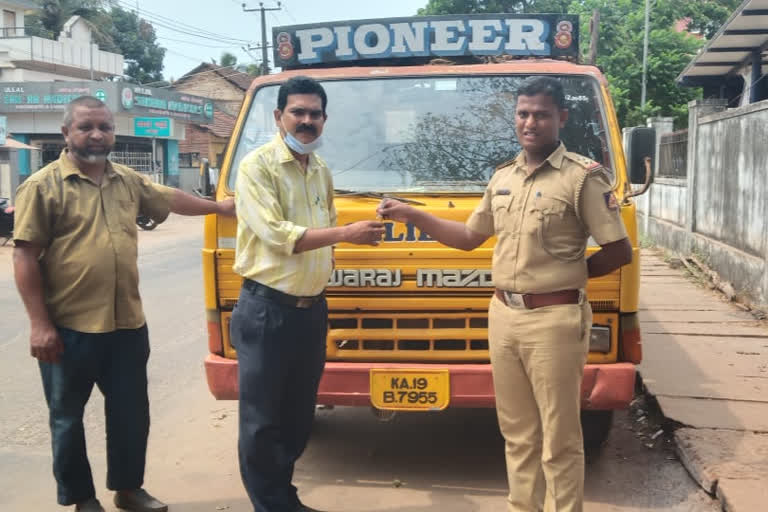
[199, 35]
[163, 22]
[165, 19]
[288, 12]
[195, 43]
[181, 27]
[196, 59]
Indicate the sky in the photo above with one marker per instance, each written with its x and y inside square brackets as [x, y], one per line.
[195, 31]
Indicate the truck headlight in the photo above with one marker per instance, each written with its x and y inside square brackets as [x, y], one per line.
[600, 339]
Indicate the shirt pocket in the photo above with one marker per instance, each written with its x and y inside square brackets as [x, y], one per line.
[558, 230]
[501, 208]
[126, 215]
[322, 214]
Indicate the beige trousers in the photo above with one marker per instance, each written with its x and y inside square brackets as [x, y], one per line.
[538, 357]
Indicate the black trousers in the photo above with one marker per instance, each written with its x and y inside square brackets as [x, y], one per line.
[281, 355]
[117, 363]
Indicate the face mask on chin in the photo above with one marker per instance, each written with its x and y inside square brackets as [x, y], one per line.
[300, 147]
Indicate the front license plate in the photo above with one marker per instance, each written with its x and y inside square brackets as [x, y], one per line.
[410, 390]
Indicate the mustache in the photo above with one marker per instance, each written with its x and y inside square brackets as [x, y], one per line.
[306, 128]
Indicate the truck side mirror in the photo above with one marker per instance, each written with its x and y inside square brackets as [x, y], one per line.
[207, 188]
[641, 144]
[641, 155]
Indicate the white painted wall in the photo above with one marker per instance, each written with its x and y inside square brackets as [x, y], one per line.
[721, 209]
[77, 31]
[5, 6]
[31, 75]
[73, 49]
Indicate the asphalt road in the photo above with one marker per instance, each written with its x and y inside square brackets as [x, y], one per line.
[451, 461]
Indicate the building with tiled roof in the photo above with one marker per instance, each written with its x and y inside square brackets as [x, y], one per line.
[226, 86]
[223, 84]
[206, 141]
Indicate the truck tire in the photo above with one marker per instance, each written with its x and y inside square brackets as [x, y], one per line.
[596, 426]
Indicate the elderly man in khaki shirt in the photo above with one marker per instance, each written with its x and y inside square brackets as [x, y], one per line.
[542, 206]
[75, 267]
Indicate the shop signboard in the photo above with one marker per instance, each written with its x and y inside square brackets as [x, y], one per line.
[152, 126]
[140, 100]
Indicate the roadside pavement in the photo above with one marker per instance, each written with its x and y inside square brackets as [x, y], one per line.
[706, 363]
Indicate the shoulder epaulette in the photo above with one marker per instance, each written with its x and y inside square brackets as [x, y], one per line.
[588, 164]
[595, 166]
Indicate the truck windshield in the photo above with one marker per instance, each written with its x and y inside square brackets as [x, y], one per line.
[427, 135]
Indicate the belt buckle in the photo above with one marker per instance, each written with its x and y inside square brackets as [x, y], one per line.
[514, 299]
[304, 302]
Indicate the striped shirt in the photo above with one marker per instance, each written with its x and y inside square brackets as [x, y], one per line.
[277, 201]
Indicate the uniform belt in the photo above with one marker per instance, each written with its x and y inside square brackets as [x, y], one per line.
[281, 297]
[538, 300]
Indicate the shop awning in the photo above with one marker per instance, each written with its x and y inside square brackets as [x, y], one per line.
[14, 144]
[742, 41]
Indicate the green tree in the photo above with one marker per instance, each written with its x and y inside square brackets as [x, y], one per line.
[621, 42]
[135, 38]
[252, 69]
[49, 19]
[479, 6]
[622, 25]
[228, 59]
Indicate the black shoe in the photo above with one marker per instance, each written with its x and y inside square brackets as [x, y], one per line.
[304, 508]
[139, 500]
[91, 505]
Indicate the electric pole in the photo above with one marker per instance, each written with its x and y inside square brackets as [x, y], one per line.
[264, 55]
[645, 53]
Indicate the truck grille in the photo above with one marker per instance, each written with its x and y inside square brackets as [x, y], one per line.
[416, 336]
[409, 336]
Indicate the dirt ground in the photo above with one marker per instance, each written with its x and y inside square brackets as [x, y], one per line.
[451, 461]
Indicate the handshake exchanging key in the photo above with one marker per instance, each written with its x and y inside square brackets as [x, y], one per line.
[370, 232]
[392, 209]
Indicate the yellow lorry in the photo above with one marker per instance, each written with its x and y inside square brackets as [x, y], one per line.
[422, 109]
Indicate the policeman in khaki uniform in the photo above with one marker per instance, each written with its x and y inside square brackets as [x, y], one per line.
[542, 206]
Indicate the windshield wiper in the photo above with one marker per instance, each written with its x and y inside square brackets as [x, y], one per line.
[451, 183]
[376, 195]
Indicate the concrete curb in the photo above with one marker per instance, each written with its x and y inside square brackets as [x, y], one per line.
[730, 464]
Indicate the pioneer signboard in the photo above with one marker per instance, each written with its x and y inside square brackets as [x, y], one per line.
[540, 35]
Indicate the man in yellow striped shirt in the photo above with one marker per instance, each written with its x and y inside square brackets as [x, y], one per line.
[285, 233]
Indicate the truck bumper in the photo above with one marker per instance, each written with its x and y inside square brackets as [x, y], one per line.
[604, 387]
